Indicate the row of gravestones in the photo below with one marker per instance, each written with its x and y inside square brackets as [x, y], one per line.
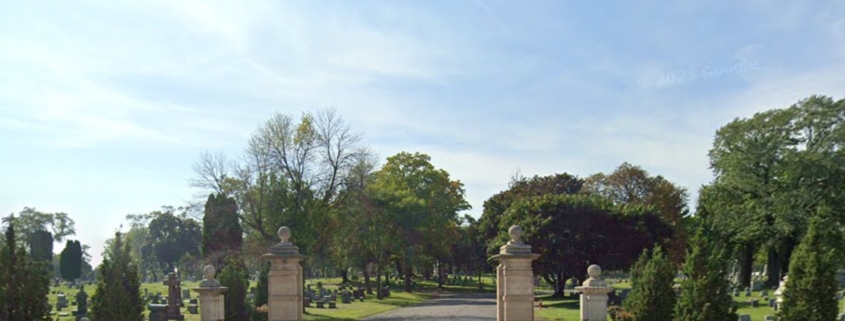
[81, 302]
[322, 297]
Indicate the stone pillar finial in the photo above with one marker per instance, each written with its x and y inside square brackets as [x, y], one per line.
[284, 234]
[594, 271]
[515, 233]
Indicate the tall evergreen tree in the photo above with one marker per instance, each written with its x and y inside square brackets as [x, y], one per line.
[235, 277]
[118, 295]
[652, 296]
[70, 261]
[222, 233]
[27, 282]
[811, 287]
[704, 292]
[41, 245]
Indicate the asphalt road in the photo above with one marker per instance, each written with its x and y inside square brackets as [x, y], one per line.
[461, 307]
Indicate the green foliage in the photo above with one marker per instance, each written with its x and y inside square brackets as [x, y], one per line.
[172, 236]
[705, 292]
[773, 171]
[633, 185]
[652, 296]
[70, 264]
[494, 207]
[41, 246]
[222, 233]
[811, 285]
[118, 294]
[235, 277]
[30, 220]
[571, 230]
[263, 286]
[424, 203]
[26, 281]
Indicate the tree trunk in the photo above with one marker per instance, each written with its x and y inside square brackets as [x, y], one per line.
[773, 268]
[747, 265]
[345, 276]
[439, 274]
[480, 282]
[378, 282]
[787, 253]
[367, 279]
[560, 285]
[398, 267]
[408, 273]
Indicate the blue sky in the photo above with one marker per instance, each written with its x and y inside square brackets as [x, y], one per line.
[104, 105]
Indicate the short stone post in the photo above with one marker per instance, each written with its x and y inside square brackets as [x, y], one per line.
[285, 280]
[515, 279]
[594, 296]
[210, 291]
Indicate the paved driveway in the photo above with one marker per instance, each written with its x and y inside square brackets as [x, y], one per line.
[462, 307]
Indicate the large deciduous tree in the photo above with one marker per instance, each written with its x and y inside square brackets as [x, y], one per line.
[572, 231]
[521, 187]
[425, 202]
[774, 170]
[29, 221]
[292, 173]
[172, 236]
[222, 233]
[632, 185]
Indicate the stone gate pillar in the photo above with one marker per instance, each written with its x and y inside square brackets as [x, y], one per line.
[212, 306]
[594, 296]
[515, 279]
[285, 280]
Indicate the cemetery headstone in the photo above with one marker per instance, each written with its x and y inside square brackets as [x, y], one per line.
[174, 298]
[771, 318]
[736, 292]
[186, 293]
[344, 297]
[332, 305]
[744, 317]
[772, 303]
[764, 293]
[756, 285]
[157, 312]
[747, 292]
[81, 304]
[193, 307]
[755, 303]
[61, 301]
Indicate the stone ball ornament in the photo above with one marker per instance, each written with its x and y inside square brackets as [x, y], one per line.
[515, 233]
[594, 271]
[209, 271]
[284, 234]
